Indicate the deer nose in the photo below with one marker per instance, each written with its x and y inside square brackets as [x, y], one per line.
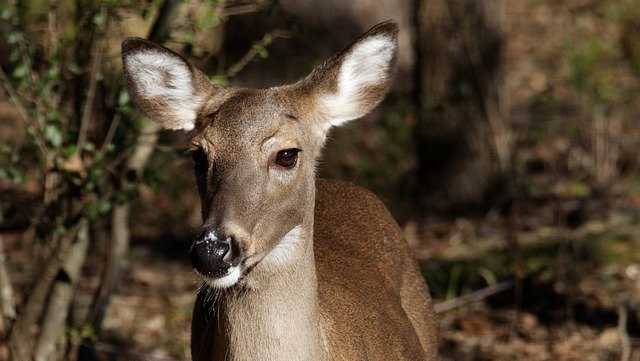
[212, 254]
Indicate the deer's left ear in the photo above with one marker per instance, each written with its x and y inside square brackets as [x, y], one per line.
[351, 83]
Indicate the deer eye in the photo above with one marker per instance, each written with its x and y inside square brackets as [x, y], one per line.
[287, 158]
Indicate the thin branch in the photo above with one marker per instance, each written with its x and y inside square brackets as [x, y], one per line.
[472, 297]
[91, 94]
[6, 291]
[240, 9]
[267, 39]
[144, 147]
[160, 30]
[492, 112]
[13, 95]
[115, 122]
[625, 342]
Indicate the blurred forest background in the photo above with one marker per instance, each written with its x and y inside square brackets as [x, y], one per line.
[507, 150]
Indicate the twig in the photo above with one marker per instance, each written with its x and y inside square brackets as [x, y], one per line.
[110, 133]
[160, 30]
[625, 342]
[488, 103]
[267, 39]
[6, 291]
[13, 95]
[472, 297]
[91, 95]
[240, 9]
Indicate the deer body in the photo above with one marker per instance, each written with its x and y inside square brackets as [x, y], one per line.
[294, 268]
[366, 302]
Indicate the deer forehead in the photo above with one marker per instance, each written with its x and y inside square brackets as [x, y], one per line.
[261, 118]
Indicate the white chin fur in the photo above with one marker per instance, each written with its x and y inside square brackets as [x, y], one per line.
[231, 278]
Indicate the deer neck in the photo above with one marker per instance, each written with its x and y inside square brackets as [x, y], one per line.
[278, 318]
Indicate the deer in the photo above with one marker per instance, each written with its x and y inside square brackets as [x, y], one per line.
[293, 267]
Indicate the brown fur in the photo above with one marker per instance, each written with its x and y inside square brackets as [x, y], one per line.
[369, 285]
[373, 303]
[346, 288]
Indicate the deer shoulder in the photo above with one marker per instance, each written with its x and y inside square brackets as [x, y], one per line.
[367, 277]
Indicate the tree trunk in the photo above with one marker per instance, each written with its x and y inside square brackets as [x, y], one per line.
[53, 326]
[118, 248]
[463, 140]
[21, 340]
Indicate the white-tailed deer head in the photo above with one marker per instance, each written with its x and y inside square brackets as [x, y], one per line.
[255, 150]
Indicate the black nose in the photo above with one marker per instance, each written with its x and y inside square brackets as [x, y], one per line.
[213, 253]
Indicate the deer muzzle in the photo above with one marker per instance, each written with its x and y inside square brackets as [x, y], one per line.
[213, 254]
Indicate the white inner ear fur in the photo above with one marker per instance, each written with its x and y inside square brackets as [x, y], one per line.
[367, 64]
[160, 75]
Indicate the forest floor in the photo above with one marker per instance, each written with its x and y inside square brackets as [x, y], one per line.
[569, 268]
[577, 287]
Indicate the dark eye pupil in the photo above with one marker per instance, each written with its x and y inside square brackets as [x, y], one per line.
[287, 158]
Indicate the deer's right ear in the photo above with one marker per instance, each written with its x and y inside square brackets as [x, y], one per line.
[164, 86]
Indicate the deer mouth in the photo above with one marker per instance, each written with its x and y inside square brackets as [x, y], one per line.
[233, 276]
[228, 271]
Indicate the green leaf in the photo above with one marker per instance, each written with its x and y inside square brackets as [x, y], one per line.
[53, 116]
[262, 51]
[13, 38]
[12, 174]
[99, 19]
[123, 98]
[219, 79]
[15, 55]
[53, 73]
[69, 150]
[53, 135]
[74, 68]
[20, 71]
[6, 14]
[89, 147]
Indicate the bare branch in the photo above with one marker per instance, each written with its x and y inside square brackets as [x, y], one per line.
[91, 94]
[162, 25]
[6, 291]
[240, 9]
[115, 122]
[625, 341]
[472, 297]
[13, 95]
[267, 39]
